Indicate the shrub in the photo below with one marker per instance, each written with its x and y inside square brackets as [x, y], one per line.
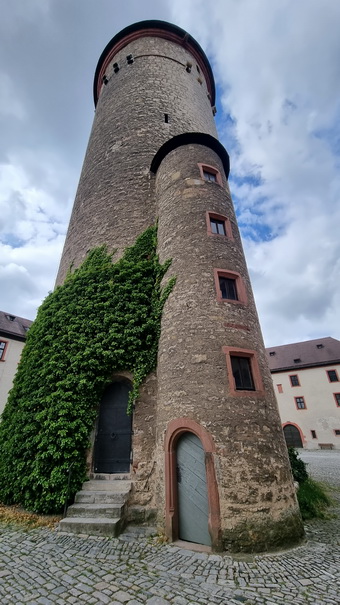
[297, 465]
[312, 500]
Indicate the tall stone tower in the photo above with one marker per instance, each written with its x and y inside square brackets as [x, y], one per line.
[208, 457]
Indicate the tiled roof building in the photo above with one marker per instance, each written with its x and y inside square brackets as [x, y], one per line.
[306, 377]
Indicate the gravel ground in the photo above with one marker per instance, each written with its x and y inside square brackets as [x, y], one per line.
[323, 465]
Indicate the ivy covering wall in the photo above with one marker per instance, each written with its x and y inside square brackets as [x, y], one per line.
[105, 318]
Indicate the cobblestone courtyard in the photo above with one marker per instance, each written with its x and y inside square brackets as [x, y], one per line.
[46, 567]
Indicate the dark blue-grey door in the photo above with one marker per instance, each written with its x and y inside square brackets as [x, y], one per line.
[292, 436]
[192, 491]
[113, 439]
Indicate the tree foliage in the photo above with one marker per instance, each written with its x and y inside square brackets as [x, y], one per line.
[105, 318]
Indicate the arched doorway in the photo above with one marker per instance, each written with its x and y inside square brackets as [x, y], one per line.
[193, 507]
[112, 448]
[292, 436]
[176, 429]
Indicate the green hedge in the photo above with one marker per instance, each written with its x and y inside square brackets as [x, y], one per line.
[105, 318]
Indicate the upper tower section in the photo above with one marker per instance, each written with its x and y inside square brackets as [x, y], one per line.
[155, 29]
[153, 83]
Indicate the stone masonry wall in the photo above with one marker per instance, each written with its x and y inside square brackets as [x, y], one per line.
[114, 201]
[257, 497]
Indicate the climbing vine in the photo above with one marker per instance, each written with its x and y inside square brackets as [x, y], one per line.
[105, 318]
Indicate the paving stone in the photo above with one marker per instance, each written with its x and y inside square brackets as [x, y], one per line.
[42, 567]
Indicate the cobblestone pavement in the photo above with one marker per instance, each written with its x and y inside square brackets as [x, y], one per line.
[46, 567]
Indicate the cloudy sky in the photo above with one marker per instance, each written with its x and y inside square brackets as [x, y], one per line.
[277, 69]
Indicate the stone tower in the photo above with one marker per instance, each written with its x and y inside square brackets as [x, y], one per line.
[208, 457]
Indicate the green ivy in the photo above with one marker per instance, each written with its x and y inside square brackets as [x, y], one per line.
[105, 318]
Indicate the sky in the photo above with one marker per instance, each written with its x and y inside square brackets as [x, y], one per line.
[277, 70]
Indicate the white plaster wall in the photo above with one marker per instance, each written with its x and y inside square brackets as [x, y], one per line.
[321, 414]
[8, 367]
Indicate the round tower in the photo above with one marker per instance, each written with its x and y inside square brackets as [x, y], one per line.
[208, 453]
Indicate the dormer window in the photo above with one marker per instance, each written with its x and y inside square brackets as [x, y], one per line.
[10, 317]
[297, 360]
[272, 353]
[319, 346]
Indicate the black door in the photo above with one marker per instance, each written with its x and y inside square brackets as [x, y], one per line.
[113, 440]
[292, 436]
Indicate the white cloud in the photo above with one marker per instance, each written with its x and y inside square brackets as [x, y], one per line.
[32, 228]
[278, 67]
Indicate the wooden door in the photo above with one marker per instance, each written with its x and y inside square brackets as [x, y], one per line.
[292, 436]
[113, 439]
[193, 506]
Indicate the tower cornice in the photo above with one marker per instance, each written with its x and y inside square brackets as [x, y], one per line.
[160, 29]
[193, 138]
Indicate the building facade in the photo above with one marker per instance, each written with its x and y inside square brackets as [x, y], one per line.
[13, 331]
[208, 457]
[306, 377]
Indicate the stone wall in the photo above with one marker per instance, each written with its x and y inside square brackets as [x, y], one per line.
[256, 494]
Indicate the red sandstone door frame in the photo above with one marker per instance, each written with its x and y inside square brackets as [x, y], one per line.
[175, 429]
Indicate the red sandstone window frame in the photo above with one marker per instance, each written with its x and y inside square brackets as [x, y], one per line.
[242, 298]
[294, 376]
[304, 402]
[3, 350]
[336, 373]
[255, 371]
[218, 217]
[212, 170]
[337, 400]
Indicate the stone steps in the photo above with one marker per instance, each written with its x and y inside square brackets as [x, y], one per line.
[93, 526]
[96, 510]
[99, 508]
[98, 485]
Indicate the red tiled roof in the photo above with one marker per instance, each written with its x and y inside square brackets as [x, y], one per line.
[321, 351]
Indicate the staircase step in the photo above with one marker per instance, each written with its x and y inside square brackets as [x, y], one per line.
[97, 485]
[92, 497]
[99, 526]
[95, 510]
[110, 476]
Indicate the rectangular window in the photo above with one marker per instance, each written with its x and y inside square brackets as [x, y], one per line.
[337, 398]
[313, 434]
[337, 432]
[279, 388]
[228, 288]
[332, 376]
[242, 373]
[218, 224]
[300, 403]
[3, 344]
[217, 227]
[209, 176]
[294, 380]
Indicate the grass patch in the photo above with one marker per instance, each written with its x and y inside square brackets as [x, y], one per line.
[313, 500]
[15, 515]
